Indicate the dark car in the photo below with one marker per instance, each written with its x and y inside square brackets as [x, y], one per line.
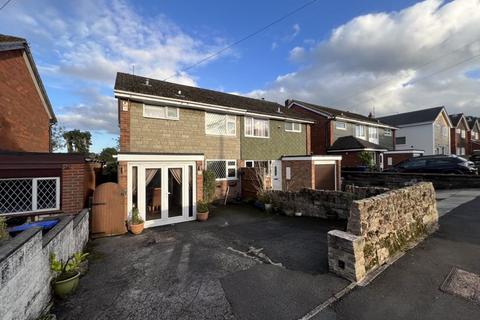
[475, 158]
[436, 164]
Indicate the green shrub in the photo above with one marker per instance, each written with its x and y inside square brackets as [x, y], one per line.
[202, 206]
[208, 186]
[69, 268]
[3, 229]
[136, 219]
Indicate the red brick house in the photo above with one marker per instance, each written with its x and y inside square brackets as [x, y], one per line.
[473, 135]
[27, 114]
[459, 134]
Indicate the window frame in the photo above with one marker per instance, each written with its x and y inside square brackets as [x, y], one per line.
[252, 135]
[227, 121]
[293, 126]
[364, 136]
[403, 137]
[341, 128]
[227, 167]
[387, 132]
[165, 107]
[376, 138]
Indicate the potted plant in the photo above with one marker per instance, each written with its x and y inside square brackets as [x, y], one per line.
[267, 202]
[202, 210]
[67, 273]
[136, 222]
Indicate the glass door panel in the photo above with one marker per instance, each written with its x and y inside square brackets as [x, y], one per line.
[153, 194]
[175, 192]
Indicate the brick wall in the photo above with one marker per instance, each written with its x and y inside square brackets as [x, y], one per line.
[123, 183]
[302, 175]
[320, 137]
[124, 123]
[24, 122]
[73, 183]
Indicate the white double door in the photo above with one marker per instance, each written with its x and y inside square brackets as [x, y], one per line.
[166, 192]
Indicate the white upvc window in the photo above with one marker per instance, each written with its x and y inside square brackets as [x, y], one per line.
[258, 128]
[223, 169]
[161, 112]
[220, 124]
[476, 135]
[463, 134]
[458, 131]
[445, 131]
[293, 127]
[23, 195]
[340, 125]
[387, 132]
[360, 131]
[373, 135]
[458, 151]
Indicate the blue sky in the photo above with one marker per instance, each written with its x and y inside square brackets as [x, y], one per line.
[352, 54]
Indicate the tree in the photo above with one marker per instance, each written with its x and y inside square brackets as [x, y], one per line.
[367, 159]
[78, 141]
[110, 167]
[57, 140]
[106, 155]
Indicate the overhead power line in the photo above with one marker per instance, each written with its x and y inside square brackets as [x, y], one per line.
[291, 13]
[5, 4]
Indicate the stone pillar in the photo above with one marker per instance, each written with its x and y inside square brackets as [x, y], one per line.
[345, 255]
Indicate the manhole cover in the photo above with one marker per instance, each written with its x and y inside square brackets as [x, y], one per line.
[463, 284]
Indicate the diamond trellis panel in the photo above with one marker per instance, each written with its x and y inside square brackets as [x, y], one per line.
[218, 167]
[46, 194]
[15, 195]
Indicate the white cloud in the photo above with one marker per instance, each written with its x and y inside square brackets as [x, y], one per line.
[367, 61]
[82, 46]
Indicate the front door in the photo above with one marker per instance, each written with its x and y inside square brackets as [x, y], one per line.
[166, 193]
[276, 174]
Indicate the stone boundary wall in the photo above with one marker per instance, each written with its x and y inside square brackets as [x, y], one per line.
[365, 192]
[25, 274]
[380, 227]
[326, 204]
[395, 180]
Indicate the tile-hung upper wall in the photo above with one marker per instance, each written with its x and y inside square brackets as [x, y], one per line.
[280, 142]
[384, 140]
[441, 132]
[185, 135]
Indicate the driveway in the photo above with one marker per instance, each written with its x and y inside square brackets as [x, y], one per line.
[240, 264]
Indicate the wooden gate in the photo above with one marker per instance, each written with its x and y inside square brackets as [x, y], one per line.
[108, 212]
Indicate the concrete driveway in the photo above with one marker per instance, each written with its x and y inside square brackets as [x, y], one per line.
[241, 264]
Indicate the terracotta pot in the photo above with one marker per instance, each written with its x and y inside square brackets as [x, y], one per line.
[202, 216]
[136, 228]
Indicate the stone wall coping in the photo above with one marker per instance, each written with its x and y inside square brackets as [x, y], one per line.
[12, 245]
[79, 217]
[344, 235]
[52, 233]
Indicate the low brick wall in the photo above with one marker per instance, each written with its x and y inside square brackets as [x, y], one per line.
[325, 204]
[399, 180]
[25, 274]
[381, 227]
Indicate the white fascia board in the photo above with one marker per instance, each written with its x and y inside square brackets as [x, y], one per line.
[404, 151]
[158, 157]
[313, 158]
[199, 105]
[349, 150]
[444, 112]
[380, 125]
[415, 124]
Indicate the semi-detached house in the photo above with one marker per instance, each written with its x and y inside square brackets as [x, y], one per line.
[170, 133]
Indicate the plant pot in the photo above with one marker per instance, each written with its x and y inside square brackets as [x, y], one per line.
[202, 216]
[136, 228]
[268, 207]
[63, 288]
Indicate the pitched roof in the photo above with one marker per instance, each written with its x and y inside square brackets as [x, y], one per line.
[456, 118]
[15, 43]
[332, 112]
[471, 120]
[425, 115]
[137, 84]
[353, 143]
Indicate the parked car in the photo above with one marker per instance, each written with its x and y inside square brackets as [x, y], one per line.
[436, 164]
[475, 158]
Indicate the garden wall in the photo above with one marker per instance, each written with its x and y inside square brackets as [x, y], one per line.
[25, 265]
[365, 192]
[381, 227]
[395, 180]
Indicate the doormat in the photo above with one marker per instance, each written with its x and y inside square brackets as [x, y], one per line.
[463, 284]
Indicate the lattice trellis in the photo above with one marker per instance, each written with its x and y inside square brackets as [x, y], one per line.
[29, 195]
[218, 167]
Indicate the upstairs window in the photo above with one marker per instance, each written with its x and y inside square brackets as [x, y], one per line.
[401, 140]
[220, 124]
[387, 132]
[340, 125]
[258, 128]
[360, 131]
[160, 112]
[293, 127]
[463, 134]
[373, 135]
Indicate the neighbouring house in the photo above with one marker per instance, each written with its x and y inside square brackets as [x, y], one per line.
[426, 129]
[27, 114]
[473, 135]
[458, 134]
[170, 133]
[338, 132]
